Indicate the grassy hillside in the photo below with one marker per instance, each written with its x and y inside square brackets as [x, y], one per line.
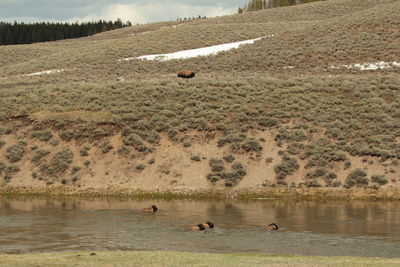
[282, 111]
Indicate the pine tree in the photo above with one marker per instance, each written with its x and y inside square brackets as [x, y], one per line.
[21, 33]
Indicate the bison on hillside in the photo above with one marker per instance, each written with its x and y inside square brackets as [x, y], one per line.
[186, 74]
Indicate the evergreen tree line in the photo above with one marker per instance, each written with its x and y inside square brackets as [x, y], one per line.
[22, 33]
[262, 4]
[192, 18]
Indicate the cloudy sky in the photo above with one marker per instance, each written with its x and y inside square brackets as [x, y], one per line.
[136, 11]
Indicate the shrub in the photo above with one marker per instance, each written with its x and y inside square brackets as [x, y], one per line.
[67, 135]
[86, 163]
[42, 135]
[356, 177]
[321, 152]
[330, 176]
[4, 130]
[140, 167]
[333, 183]
[151, 161]
[298, 135]
[280, 182]
[230, 178]
[54, 142]
[230, 139]
[196, 158]
[153, 138]
[216, 165]
[60, 162]
[347, 164]
[187, 144]
[105, 147]
[2, 143]
[374, 187]
[379, 179]
[123, 150]
[39, 154]
[252, 144]
[286, 167]
[3, 166]
[172, 134]
[313, 183]
[10, 171]
[213, 178]
[295, 148]
[319, 172]
[84, 152]
[229, 158]
[15, 152]
[268, 122]
[75, 169]
[238, 169]
[135, 141]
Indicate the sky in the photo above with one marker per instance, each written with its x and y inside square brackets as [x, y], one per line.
[136, 11]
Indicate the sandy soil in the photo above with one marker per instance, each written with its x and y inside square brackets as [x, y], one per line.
[174, 171]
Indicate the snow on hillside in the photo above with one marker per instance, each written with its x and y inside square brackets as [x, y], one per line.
[370, 66]
[205, 51]
[45, 72]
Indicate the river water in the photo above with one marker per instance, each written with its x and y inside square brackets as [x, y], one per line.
[30, 225]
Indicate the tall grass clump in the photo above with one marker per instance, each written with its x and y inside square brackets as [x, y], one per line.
[230, 177]
[286, 167]
[379, 179]
[39, 155]
[4, 130]
[42, 135]
[357, 177]
[14, 153]
[58, 164]
[10, 171]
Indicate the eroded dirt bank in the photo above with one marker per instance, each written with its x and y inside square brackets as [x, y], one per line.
[193, 165]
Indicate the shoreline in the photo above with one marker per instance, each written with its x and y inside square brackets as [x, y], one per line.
[168, 258]
[279, 193]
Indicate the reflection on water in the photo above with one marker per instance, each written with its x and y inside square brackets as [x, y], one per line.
[308, 228]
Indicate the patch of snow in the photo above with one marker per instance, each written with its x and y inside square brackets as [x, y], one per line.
[178, 25]
[369, 66]
[205, 51]
[45, 72]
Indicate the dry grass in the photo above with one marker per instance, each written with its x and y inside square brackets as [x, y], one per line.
[321, 116]
[311, 37]
[183, 259]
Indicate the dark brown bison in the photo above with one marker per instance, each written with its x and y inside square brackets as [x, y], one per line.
[272, 227]
[186, 74]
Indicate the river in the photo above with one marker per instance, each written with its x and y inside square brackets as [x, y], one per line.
[331, 228]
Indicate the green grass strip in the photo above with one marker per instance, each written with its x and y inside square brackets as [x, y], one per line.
[184, 259]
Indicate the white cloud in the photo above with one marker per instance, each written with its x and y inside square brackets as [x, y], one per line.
[142, 11]
[154, 12]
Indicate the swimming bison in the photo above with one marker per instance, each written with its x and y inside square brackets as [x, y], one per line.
[186, 74]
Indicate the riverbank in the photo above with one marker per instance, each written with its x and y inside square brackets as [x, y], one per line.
[137, 258]
[281, 192]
